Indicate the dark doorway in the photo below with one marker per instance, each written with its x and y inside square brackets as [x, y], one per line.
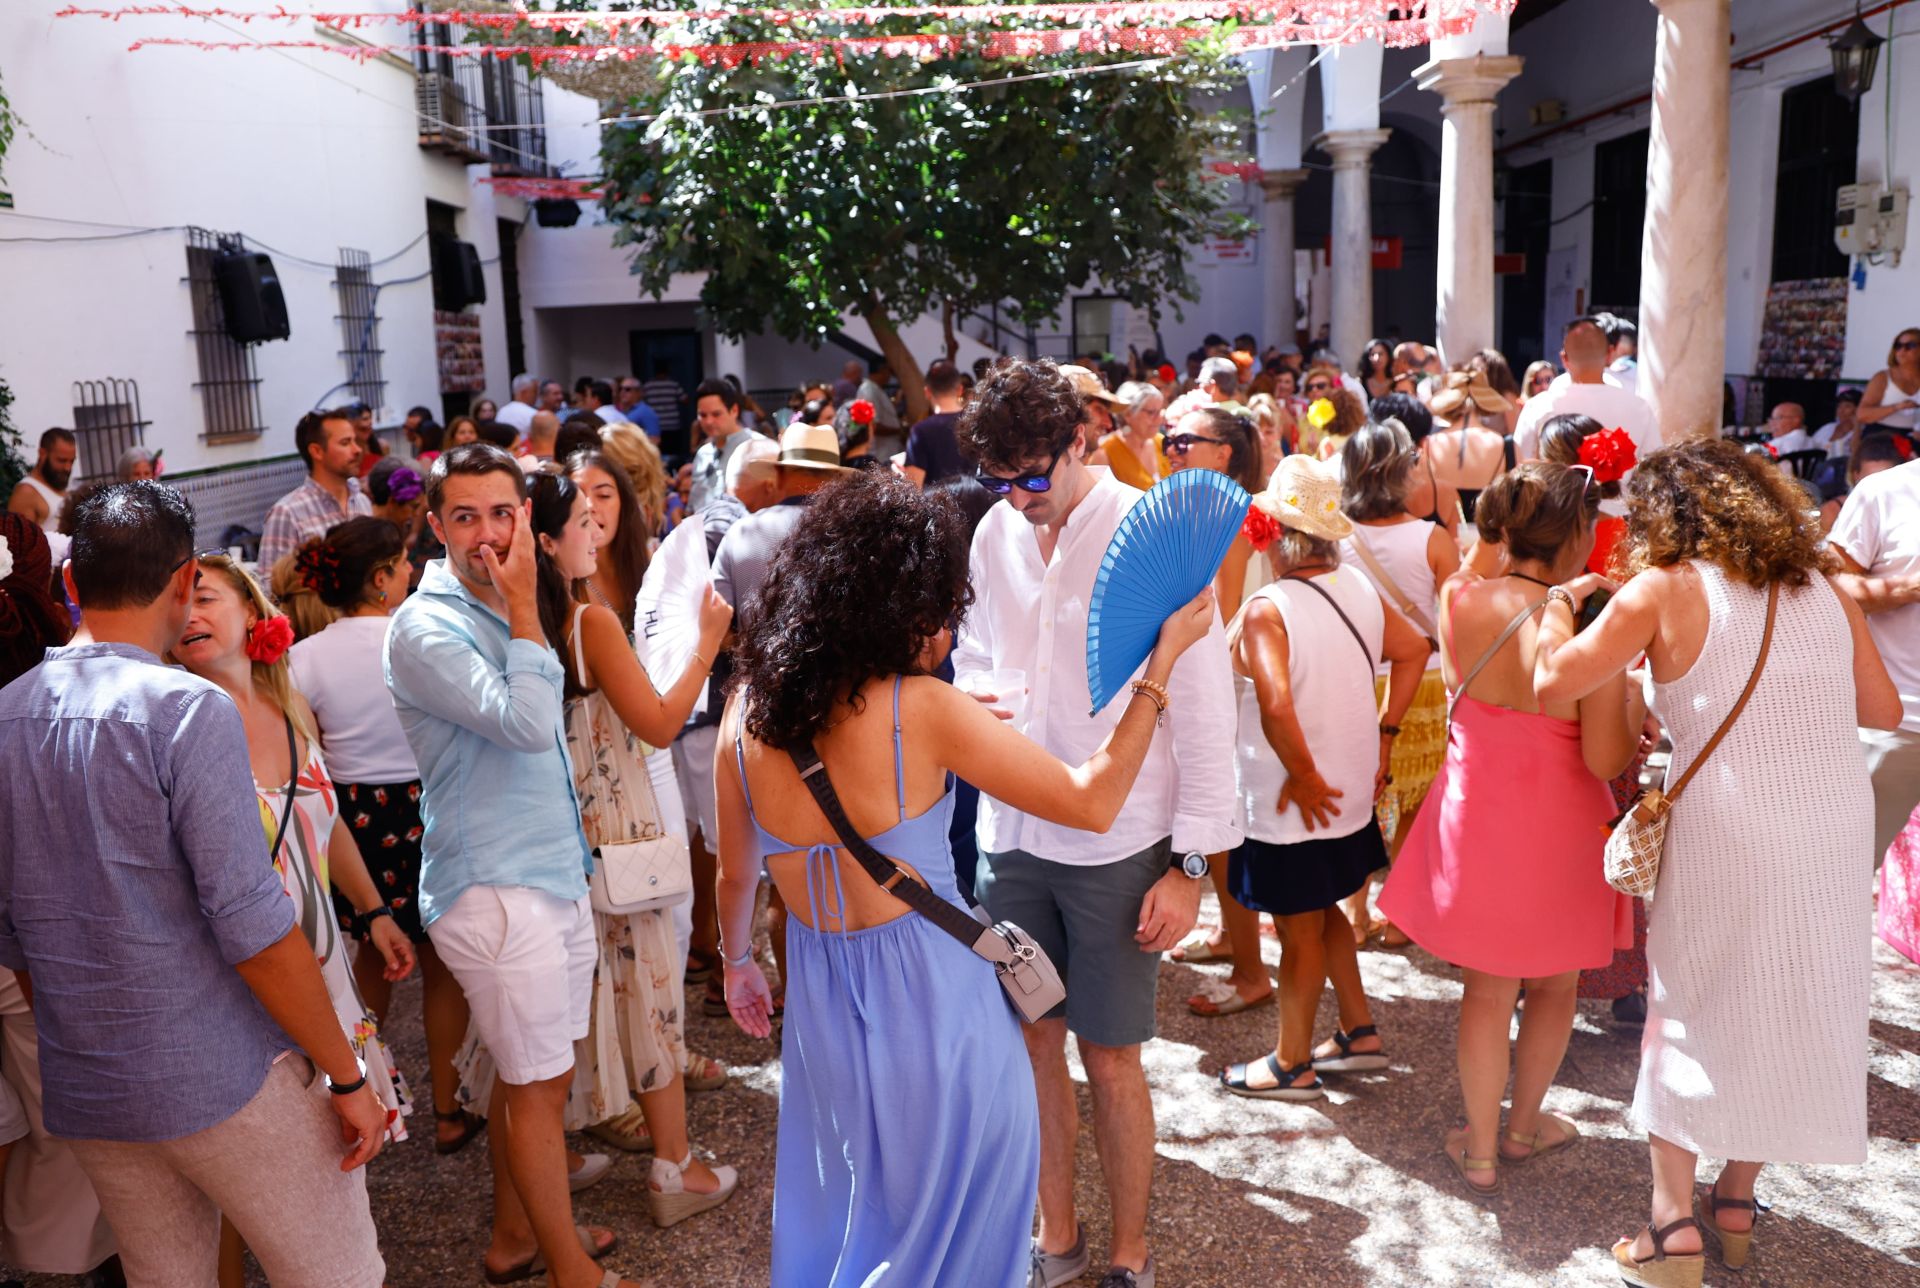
[683, 355]
[1529, 232]
[1619, 219]
[510, 295]
[1819, 139]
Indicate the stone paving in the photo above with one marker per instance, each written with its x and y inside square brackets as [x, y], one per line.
[1351, 1192]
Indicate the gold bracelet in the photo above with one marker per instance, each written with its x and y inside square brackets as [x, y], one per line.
[1157, 694]
[701, 660]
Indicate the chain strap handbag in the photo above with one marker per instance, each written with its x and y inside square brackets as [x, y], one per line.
[1029, 977]
[1639, 836]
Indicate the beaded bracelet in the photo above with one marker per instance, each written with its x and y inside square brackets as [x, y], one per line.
[1157, 693]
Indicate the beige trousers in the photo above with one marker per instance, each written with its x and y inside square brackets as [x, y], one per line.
[273, 1168]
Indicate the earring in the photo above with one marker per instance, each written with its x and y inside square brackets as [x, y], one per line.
[383, 596]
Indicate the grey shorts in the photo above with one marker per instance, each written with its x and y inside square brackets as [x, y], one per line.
[1085, 918]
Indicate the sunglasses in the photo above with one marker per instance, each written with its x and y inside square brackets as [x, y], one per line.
[1907, 344]
[1181, 444]
[1038, 481]
[1318, 387]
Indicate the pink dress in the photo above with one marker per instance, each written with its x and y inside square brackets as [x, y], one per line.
[1507, 880]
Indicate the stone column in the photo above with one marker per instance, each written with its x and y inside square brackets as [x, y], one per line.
[1683, 253]
[1280, 309]
[1352, 152]
[1467, 88]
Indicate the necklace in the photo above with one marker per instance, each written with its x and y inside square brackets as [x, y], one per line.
[1535, 580]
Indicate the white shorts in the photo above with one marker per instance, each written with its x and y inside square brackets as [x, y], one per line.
[525, 961]
[693, 766]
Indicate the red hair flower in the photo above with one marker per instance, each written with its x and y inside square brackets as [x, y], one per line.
[269, 639]
[1609, 453]
[1166, 372]
[860, 412]
[1260, 529]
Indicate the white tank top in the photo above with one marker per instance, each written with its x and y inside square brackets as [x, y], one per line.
[56, 501]
[1401, 550]
[1907, 419]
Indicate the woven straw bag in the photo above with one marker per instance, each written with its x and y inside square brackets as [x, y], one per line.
[1640, 835]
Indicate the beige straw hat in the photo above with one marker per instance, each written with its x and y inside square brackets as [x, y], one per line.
[1087, 384]
[1305, 494]
[804, 447]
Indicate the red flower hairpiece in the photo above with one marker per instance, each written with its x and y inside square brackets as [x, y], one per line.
[1609, 453]
[1260, 529]
[860, 412]
[269, 639]
[1166, 372]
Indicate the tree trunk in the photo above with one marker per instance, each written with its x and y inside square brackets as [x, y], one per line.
[946, 327]
[912, 382]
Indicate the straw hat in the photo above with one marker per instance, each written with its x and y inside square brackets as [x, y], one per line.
[803, 447]
[1088, 385]
[1465, 386]
[1305, 494]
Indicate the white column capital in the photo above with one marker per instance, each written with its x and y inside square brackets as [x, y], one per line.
[1280, 185]
[1478, 79]
[1351, 149]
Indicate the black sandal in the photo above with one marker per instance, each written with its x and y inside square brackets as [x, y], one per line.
[1349, 1060]
[473, 1125]
[1234, 1079]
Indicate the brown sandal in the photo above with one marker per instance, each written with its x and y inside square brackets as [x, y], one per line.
[1535, 1149]
[1735, 1245]
[1663, 1269]
[1462, 1164]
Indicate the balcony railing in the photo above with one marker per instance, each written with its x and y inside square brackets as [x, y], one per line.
[482, 109]
[446, 120]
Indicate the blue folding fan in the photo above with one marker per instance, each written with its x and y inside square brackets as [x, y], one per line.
[1165, 551]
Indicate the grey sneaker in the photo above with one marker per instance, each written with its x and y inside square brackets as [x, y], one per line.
[1121, 1277]
[1051, 1269]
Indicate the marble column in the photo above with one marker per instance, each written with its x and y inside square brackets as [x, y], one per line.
[1280, 308]
[1467, 88]
[1683, 252]
[1352, 152]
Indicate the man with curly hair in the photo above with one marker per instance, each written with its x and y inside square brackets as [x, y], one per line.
[1105, 906]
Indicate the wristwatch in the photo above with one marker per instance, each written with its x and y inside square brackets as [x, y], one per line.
[1194, 865]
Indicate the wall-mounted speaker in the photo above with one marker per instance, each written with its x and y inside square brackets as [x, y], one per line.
[457, 277]
[250, 297]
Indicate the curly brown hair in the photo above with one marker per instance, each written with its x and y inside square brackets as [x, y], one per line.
[1708, 499]
[1020, 411]
[874, 569]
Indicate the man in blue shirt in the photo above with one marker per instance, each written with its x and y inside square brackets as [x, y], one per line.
[503, 869]
[185, 1030]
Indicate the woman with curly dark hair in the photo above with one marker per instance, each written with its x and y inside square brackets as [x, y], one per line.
[856, 612]
[1756, 1038]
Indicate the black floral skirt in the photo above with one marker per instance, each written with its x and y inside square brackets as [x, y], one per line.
[385, 821]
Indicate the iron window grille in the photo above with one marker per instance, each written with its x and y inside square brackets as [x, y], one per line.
[360, 326]
[106, 421]
[480, 109]
[229, 385]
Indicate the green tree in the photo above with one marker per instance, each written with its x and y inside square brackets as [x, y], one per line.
[887, 206]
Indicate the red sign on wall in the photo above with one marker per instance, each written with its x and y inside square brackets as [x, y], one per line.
[1387, 251]
[1510, 265]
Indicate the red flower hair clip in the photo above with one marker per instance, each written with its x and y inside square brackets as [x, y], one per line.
[860, 412]
[1260, 529]
[269, 639]
[1609, 453]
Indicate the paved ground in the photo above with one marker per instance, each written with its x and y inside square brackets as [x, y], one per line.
[1347, 1193]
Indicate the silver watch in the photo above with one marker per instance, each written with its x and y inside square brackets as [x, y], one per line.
[1195, 865]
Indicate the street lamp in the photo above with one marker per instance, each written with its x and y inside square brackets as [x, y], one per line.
[1855, 52]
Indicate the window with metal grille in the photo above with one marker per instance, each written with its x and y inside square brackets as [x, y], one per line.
[360, 326]
[229, 386]
[106, 422]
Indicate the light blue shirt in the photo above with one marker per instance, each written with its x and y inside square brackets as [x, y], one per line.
[483, 714]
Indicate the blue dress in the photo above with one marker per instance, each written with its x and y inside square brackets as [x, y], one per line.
[909, 1148]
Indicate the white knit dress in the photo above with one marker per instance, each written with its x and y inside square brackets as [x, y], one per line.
[1760, 947]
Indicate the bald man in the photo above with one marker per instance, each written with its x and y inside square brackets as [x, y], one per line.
[1583, 352]
[1787, 424]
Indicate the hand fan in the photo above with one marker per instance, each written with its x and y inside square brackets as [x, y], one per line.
[1165, 551]
[666, 615]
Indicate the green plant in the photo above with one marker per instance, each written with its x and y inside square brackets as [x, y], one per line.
[933, 196]
[13, 458]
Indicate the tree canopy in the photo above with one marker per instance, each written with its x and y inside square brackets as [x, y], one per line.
[881, 203]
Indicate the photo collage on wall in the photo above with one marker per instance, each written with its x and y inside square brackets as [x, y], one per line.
[1803, 335]
[463, 366]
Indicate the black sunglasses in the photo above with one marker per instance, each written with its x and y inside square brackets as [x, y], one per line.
[1180, 444]
[1907, 344]
[1038, 481]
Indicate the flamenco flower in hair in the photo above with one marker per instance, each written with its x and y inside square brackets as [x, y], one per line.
[1260, 529]
[1166, 372]
[315, 564]
[860, 412]
[404, 485]
[1321, 414]
[269, 639]
[1609, 453]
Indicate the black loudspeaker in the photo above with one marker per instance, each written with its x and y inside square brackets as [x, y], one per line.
[556, 212]
[457, 278]
[250, 297]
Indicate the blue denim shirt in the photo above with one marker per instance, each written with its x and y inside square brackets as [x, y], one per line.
[483, 714]
[133, 878]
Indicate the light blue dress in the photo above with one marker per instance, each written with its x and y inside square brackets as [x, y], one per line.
[909, 1150]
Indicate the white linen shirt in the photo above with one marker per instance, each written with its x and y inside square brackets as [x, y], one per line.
[1612, 406]
[1032, 616]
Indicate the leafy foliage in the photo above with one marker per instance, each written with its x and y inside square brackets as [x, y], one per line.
[1015, 193]
[13, 458]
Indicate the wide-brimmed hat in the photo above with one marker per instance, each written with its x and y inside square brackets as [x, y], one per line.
[1305, 494]
[1088, 385]
[804, 447]
[1467, 386]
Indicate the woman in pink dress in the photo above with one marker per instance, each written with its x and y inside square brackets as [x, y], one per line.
[1501, 874]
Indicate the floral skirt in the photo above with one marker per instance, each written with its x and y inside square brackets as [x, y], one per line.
[385, 821]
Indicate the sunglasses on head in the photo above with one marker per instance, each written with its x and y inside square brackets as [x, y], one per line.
[1181, 444]
[1037, 481]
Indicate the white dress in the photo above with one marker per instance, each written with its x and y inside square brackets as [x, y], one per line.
[1760, 947]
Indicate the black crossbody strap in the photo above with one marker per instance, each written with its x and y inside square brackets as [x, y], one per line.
[293, 782]
[1346, 621]
[889, 875]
